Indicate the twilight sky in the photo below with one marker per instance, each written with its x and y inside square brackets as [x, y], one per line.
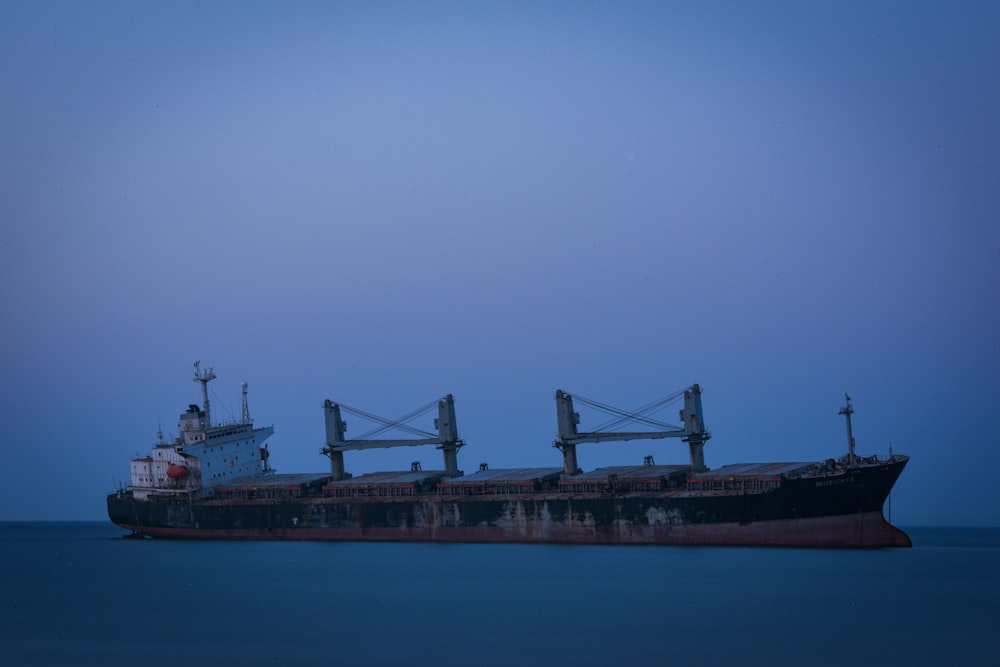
[381, 203]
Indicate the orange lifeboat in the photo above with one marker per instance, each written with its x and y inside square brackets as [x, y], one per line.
[175, 471]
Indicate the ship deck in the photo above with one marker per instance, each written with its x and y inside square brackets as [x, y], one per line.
[272, 486]
[500, 480]
[755, 470]
[386, 483]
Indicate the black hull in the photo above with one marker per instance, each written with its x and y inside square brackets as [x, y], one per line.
[842, 510]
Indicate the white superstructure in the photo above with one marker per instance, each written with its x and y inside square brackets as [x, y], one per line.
[205, 455]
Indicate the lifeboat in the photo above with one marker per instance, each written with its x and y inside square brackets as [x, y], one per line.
[175, 471]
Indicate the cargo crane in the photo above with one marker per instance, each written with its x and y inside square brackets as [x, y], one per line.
[693, 432]
[447, 438]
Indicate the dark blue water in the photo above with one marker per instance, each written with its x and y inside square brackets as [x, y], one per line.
[77, 592]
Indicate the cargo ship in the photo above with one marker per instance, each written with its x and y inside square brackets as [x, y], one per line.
[215, 481]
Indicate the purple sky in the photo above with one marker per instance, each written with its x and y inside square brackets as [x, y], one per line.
[381, 203]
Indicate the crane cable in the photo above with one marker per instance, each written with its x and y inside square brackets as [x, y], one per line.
[635, 416]
[387, 424]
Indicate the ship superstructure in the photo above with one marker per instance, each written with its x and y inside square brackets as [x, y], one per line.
[214, 482]
[205, 455]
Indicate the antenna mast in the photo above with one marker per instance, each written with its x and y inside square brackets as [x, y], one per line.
[245, 417]
[847, 412]
[204, 377]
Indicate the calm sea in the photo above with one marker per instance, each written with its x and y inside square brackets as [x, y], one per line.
[77, 593]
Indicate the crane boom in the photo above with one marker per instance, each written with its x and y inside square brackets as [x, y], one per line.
[601, 436]
[349, 445]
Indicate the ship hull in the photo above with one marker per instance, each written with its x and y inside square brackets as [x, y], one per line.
[839, 511]
[869, 529]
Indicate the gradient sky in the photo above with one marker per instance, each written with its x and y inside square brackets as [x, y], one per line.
[381, 203]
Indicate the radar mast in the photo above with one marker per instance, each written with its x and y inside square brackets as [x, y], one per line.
[204, 377]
